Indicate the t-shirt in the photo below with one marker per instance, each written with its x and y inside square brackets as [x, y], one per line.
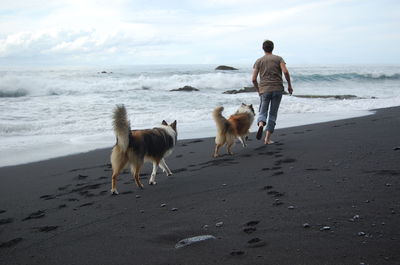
[270, 73]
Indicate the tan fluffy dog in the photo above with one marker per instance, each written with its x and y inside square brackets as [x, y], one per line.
[236, 126]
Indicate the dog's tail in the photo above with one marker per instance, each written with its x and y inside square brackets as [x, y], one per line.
[122, 127]
[223, 126]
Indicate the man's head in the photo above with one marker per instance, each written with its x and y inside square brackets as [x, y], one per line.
[268, 46]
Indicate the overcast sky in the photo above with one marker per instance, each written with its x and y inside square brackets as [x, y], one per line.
[126, 32]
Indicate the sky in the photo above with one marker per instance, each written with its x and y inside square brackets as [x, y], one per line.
[131, 32]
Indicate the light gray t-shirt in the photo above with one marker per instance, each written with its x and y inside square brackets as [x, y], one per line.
[270, 73]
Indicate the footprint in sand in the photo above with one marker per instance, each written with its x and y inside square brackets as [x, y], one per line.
[277, 173]
[35, 215]
[275, 193]
[286, 160]
[11, 243]
[256, 243]
[86, 204]
[6, 221]
[179, 170]
[46, 228]
[237, 253]
[48, 197]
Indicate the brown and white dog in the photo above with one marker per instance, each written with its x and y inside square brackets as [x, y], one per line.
[236, 126]
[134, 147]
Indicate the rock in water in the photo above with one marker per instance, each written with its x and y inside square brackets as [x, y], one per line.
[244, 90]
[185, 88]
[225, 67]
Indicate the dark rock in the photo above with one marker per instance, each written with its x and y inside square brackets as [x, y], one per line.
[243, 90]
[327, 96]
[225, 67]
[185, 88]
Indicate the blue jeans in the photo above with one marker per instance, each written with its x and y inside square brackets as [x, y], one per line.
[271, 101]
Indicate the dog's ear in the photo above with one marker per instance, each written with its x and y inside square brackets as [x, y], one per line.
[243, 104]
[173, 125]
[164, 123]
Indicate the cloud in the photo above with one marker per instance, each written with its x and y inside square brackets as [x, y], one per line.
[189, 31]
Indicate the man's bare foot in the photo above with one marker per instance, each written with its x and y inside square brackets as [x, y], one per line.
[268, 141]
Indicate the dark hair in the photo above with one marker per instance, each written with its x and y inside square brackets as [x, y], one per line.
[268, 46]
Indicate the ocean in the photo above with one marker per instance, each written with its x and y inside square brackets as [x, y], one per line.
[46, 113]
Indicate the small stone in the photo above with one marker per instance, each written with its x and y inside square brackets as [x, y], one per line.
[388, 184]
[291, 207]
[174, 209]
[138, 196]
[224, 184]
[361, 233]
[325, 228]
[219, 224]
[396, 148]
[163, 205]
[205, 227]
[306, 225]
[141, 211]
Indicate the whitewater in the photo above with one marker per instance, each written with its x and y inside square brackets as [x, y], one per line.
[46, 113]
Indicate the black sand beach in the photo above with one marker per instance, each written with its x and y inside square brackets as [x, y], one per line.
[326, 193]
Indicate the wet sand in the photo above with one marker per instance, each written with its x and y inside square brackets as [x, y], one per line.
[326, 193]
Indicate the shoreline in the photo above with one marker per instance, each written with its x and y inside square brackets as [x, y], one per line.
[325, 193]
[207, 131]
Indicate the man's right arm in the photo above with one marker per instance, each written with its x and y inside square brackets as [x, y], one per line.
[254, 79]
[287, 76]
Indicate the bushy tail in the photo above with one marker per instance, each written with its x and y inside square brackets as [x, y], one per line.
[220, 120]
[122, 127]
[223, 125]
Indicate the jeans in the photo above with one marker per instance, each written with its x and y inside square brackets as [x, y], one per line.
[271, 101]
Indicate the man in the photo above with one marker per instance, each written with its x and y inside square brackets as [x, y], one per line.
[269, 68]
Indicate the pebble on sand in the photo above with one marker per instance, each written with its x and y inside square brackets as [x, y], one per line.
[219, 224]
[325, 228]
[191, 240]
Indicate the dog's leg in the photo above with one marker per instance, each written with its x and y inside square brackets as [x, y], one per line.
[152, 180]
[216, 151]
[164, 167]
[136, 174]
[118, 162]
[114, 183]
[242, 139]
